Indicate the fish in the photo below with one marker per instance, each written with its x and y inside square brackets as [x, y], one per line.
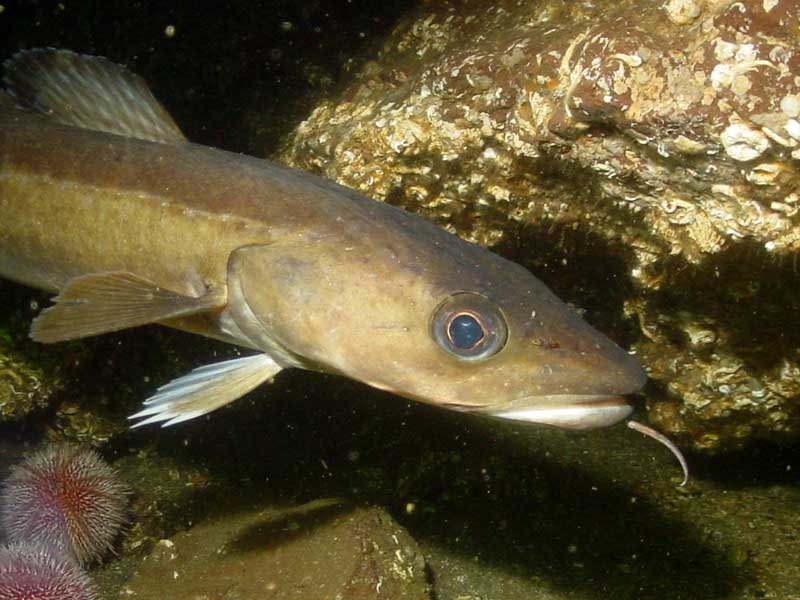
[104, 202]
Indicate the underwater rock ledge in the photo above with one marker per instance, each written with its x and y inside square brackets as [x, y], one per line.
[667, 134]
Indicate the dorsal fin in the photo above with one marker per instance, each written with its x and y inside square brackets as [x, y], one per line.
[89, 92]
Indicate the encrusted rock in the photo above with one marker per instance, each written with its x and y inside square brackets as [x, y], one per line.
[23, 387]
[668, 133]
[28, 382]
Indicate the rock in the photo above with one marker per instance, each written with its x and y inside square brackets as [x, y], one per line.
[23, 386]
[322, 549]
[662, 135]
[28, 380]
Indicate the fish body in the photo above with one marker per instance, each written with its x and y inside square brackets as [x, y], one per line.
[103, 201]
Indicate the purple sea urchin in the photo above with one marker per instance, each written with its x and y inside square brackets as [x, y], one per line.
[64, 498]
[28, 572]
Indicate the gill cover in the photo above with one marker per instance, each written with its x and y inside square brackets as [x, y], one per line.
[316, 305]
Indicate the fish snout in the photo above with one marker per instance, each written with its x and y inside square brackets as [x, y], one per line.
[589, 363]
[578, 386]
[613, 371]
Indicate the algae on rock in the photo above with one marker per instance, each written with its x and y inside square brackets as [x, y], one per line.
[28, 378]
[24, 387]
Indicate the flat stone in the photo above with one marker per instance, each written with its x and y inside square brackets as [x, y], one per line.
[321, 550]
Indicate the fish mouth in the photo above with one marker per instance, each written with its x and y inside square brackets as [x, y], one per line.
[568, 411]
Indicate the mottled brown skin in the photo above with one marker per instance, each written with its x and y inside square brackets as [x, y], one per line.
[336, 281]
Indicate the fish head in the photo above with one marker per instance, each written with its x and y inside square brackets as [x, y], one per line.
[449, 324]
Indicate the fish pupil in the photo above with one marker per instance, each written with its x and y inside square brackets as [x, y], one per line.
[465, 331]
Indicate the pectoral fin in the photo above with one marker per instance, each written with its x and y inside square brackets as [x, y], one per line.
[105, 302]
[205, 389]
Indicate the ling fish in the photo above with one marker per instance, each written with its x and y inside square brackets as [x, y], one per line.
[106, 203]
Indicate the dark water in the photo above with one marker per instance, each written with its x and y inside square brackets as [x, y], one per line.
[236, 75]
[499, 511]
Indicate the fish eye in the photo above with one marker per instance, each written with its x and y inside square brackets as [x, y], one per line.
[465, 331]
[469, 326]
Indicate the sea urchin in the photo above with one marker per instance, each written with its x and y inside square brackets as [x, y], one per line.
[29, 572]
[64, 498]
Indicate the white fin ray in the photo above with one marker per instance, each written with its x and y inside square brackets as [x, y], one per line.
[90, 92]
[205, 389]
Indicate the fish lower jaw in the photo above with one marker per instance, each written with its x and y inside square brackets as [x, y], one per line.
[568, 412]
